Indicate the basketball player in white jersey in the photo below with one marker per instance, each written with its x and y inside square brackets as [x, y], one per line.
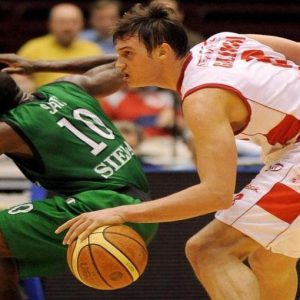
[231, 85]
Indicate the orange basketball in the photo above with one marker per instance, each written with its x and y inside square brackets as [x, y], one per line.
[112, 257]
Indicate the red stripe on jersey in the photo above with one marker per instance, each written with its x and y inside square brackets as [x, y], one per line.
[283, 132]
[282, 202]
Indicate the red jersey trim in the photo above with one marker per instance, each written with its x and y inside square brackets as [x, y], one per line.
[225, 87]
[184, 66]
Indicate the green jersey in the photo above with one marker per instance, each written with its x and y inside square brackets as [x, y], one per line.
[75, 145]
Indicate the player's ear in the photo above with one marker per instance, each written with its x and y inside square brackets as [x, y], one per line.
[163, 51]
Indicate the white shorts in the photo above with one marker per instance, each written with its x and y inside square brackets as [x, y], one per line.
[268, 208]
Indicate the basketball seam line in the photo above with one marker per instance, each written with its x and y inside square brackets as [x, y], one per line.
[129, 259]
[95, 265]
[121, 263]
[122, 234]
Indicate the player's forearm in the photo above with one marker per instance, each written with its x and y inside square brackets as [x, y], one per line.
[79, 65]
[189, 203]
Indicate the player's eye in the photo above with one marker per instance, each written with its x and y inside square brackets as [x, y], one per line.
[126, 54]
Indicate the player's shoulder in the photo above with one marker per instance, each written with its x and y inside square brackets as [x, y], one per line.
[64, 83]
[67, 88]
[226, 34]
[216, 41]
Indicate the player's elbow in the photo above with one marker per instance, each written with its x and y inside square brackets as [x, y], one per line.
[226, 201]
[223, 197]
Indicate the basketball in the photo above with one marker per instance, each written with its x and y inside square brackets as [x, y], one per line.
[112, 257]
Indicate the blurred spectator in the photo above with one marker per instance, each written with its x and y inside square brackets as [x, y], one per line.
[132, 133]
[65, 24]
[194, 37]
[153, 125]
[151, 109]
[104, 14]
[167, 152]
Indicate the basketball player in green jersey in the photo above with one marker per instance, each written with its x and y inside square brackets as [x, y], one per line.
[60, 138]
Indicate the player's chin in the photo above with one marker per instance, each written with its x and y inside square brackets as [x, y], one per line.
[133, 83]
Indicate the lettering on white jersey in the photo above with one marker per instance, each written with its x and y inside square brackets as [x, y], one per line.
[266, 82]
[228, 51]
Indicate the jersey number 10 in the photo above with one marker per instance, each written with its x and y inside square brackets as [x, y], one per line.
[95, 124]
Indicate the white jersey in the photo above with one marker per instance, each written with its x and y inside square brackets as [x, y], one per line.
[266, 82]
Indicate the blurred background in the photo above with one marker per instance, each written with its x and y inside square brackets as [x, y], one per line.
[23, 20]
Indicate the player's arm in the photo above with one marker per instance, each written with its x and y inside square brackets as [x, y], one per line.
[18, 64]
[289, 48]
[100, 81]
[208, 114]
[10, 141]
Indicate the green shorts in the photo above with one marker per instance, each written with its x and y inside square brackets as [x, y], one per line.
[28, 229]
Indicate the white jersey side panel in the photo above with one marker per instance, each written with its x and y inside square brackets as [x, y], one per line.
[267, 83]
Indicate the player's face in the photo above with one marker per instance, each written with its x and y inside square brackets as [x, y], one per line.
[138, 66]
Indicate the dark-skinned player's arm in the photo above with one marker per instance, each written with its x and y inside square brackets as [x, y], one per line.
[99, 81]
[10, 141]
[211, 115]
[18, 64]
[290, 49]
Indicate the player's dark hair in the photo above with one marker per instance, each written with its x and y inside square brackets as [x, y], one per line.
[154, 24]
[10, 93]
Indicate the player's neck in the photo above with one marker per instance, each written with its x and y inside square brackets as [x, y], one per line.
[172, 74]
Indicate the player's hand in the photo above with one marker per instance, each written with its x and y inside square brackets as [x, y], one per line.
[84, 224]
[16, 64]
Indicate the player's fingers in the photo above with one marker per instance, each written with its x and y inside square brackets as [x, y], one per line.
[89, 230]
[12, 70]
[71, 230]
[74, 231]
[66, 225]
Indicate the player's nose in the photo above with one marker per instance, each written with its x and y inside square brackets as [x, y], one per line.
[120, 65]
